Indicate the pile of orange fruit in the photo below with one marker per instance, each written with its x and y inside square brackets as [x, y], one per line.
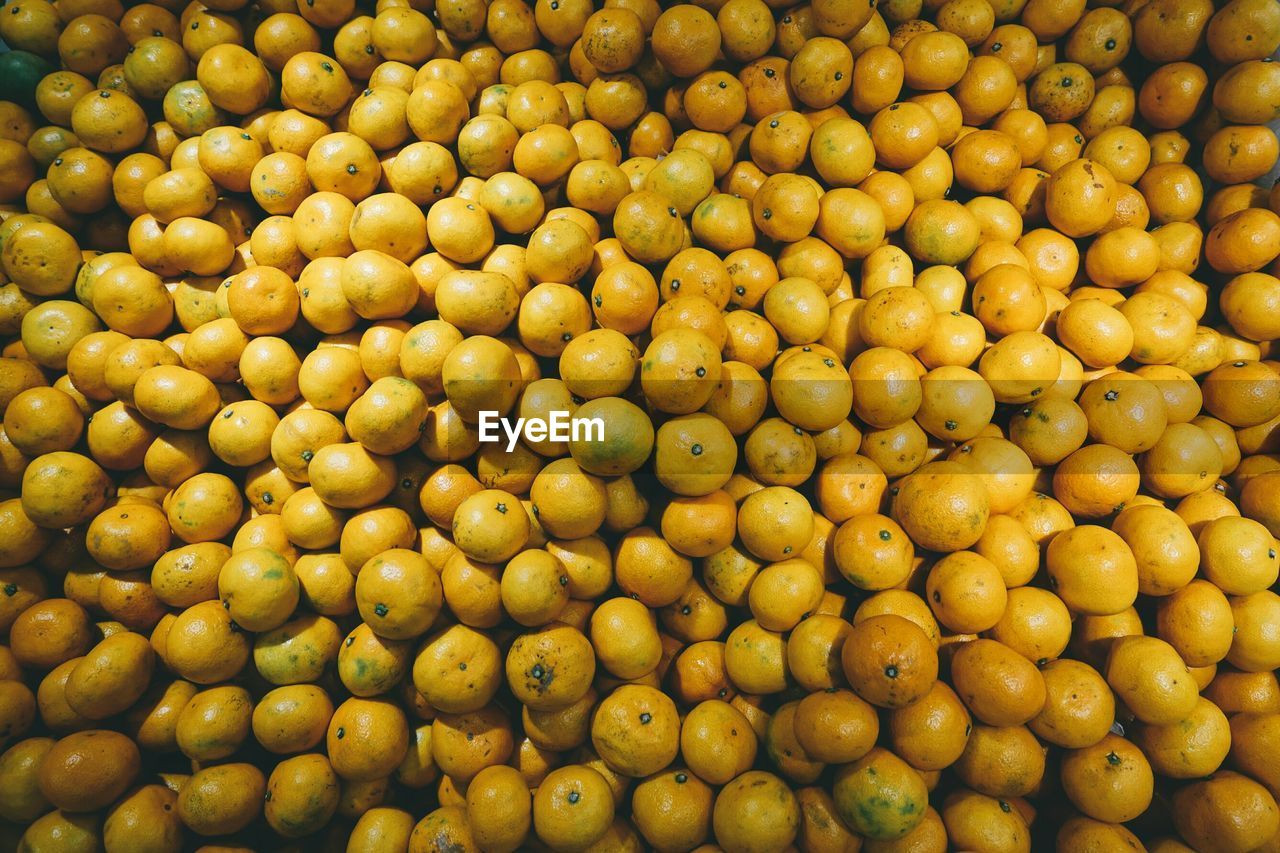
[937, 501]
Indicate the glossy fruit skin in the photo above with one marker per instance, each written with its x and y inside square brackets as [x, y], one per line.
[939, 404]
[21, 71]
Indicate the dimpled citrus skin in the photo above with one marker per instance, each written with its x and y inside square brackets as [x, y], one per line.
[576, 425]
